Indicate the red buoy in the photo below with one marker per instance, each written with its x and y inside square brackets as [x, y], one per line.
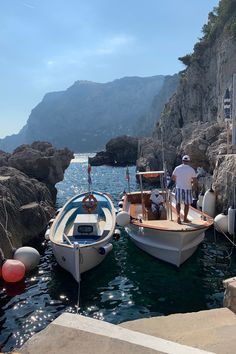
[13, 271]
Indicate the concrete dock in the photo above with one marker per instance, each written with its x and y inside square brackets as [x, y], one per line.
[211, 331]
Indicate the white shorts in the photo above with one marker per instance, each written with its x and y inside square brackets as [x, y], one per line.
[183, 195]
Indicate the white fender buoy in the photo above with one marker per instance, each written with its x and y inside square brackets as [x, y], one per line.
[117, 234]
[122, 218]
[209, 202]
[50, 222]
[29, 256]
[200, 200]
[46, 235]
[105, 249]
[58, 211]
[231, 220]
[221, 223]
[120, 204]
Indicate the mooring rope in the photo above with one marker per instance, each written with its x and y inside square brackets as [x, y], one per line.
[6, 216]
[223, 233]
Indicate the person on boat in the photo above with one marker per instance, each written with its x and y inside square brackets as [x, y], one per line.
[184, 176]
[157, 203]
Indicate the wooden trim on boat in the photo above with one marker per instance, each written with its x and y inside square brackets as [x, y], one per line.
[185, 227]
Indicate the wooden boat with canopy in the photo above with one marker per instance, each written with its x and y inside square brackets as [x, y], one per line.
[163, 238]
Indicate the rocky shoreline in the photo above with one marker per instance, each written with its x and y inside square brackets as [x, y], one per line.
[120, 151]
[27, 191]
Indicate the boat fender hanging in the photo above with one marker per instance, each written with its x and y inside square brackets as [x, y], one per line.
[105, 249]
[117, 234]
[231, 220]
[50, 222]
[46, 236]
[208, 203]
[221, 223]
[58, 211]
[123, 218]
[29, 256]
[199, 202]
[120, 204]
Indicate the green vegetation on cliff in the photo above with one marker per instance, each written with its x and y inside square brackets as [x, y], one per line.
[222, 18]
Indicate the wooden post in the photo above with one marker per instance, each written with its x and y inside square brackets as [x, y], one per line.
[227, 130]
[234, 115]
[142, 200]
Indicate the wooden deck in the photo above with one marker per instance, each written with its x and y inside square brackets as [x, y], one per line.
[173, 225]
[170, 223]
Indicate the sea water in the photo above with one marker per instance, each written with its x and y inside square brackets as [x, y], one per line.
[129, 284]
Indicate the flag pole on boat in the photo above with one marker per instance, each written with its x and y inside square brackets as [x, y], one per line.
[89, 177]
[128, 178]
[164, 185]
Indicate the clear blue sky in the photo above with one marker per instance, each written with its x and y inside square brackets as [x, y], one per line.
[46, 45]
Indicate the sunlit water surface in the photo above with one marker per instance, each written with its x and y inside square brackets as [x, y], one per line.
[129, 284]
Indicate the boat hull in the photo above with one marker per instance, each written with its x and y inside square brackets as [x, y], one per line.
[89, 257]
[80, 237]
[170, 246]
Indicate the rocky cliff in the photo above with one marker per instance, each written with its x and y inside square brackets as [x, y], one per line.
[120, 151]
[88, 114]
[193, 119]
[27, 191]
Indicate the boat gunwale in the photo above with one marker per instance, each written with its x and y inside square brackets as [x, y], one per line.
[99, 242]
[208, 223]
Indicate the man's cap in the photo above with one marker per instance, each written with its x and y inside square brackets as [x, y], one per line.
[185, 158]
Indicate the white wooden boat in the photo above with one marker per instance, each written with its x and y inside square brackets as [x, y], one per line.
[81, 233]
[164, 239]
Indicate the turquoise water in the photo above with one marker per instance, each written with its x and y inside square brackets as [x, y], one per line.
[129, 284]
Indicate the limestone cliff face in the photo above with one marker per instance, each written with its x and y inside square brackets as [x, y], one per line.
[194, 115]
[193, 120]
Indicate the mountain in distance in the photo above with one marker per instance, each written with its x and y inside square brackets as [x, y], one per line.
[88, 114]
[146, 123]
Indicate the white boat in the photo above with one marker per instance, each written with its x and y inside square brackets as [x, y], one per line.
[164, 239]
[81, 233]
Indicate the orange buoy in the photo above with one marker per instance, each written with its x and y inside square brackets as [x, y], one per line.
[13, 270]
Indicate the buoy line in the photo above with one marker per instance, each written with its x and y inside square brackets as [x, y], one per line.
[223, 233]
[229, 254]
[6, 217]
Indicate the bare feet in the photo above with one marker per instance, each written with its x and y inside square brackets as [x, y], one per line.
[187, 220]
[178, 220]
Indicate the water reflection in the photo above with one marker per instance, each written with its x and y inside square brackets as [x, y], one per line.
[128, 285]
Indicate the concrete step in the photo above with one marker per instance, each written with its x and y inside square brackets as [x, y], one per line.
[75, 334]
[212, 330]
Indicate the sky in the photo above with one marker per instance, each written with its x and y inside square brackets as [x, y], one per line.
[47, 45]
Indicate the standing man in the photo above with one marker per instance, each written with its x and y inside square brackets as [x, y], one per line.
[184, 175]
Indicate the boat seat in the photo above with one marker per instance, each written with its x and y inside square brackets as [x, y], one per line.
[108, 217]
[150, 216]
[83, 239]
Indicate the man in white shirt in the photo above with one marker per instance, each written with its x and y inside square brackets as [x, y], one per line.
[184, 175]
[156, 203]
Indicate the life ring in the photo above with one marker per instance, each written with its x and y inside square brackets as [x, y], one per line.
[89, 203]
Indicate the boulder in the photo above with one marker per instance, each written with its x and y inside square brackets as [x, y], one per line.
[120, 151]
[27, 192]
